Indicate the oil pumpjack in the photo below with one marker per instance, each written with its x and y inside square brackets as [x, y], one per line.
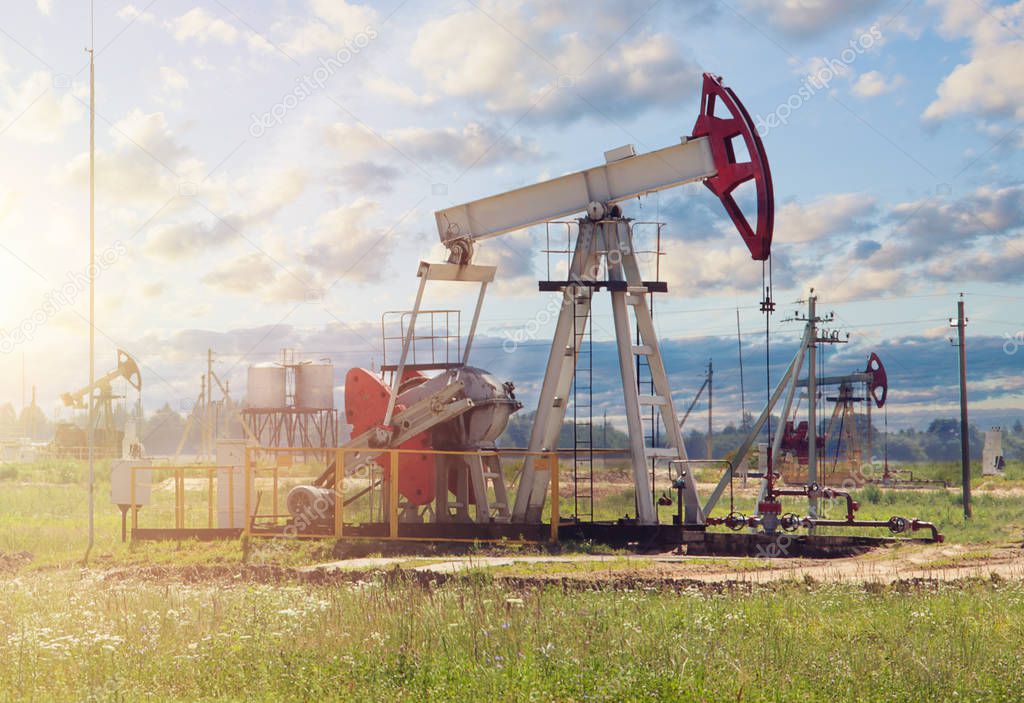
[465, 409]
[71, 439]
[419, 412]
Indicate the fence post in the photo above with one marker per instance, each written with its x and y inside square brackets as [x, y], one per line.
[339, 496]
[393, 495]
[245, 490]
[179, 497]
[135, 512]
[209, 497]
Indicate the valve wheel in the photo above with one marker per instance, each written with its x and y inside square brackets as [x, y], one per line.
[790, 522]
[735, 521]
[898, 525]
[721, 131]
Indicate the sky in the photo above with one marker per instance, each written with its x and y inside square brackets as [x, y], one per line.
[267, 173]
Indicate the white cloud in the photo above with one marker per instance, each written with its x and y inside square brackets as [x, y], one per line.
[398, 92]
[131, 13]
[261, 197]
[864, 282]
[697, 270]
[36, 111]
[172, 80]
[873, 84]
[333, 22]
[346, 242]
[45, 6]
[557, 73]
[806, 17]
[991, 82]
[473, 145]
[258, 273]
[842, 213]
[973, 238]
[200, 25]
[349, 241]
[366, 176]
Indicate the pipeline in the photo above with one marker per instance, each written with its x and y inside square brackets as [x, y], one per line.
[813, 490]
[790, 522]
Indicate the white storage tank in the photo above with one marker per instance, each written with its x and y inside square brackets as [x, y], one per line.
[266, 386]
[314, 385]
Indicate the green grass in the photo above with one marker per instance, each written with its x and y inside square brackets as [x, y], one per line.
[105, 633]
[43, 511]
[75, 637]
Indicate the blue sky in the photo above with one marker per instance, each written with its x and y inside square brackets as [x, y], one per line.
[267, 175]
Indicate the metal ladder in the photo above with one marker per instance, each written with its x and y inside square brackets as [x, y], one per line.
[645, 386]
[646, 354]
[484, 470]
[583, 415]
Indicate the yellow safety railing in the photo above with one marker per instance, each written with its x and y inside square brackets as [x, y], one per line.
[178, 475]
[543, 460]
[273, 470]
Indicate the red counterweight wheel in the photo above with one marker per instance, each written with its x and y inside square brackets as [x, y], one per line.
[721, 131]
[366, 401]
[878, 388]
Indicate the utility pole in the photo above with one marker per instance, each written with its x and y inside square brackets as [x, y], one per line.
[710, 431]
[813, 339]
[91, 434]
[965, 440]
[812, 401]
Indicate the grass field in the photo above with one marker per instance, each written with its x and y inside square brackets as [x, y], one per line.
[72, 636]
[118, 631]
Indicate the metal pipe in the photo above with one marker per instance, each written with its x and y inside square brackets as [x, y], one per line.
[827, 493]
[892, 524]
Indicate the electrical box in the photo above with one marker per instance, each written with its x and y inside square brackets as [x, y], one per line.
[231, 486]
[763, 450]
[992, 462]
[121, 483]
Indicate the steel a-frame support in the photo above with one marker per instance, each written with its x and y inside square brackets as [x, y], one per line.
[607, 245]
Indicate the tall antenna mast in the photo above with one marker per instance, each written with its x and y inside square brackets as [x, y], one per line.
[92, 275]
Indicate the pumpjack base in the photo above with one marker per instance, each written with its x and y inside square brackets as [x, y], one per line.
[693, 539]
[698, 542]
